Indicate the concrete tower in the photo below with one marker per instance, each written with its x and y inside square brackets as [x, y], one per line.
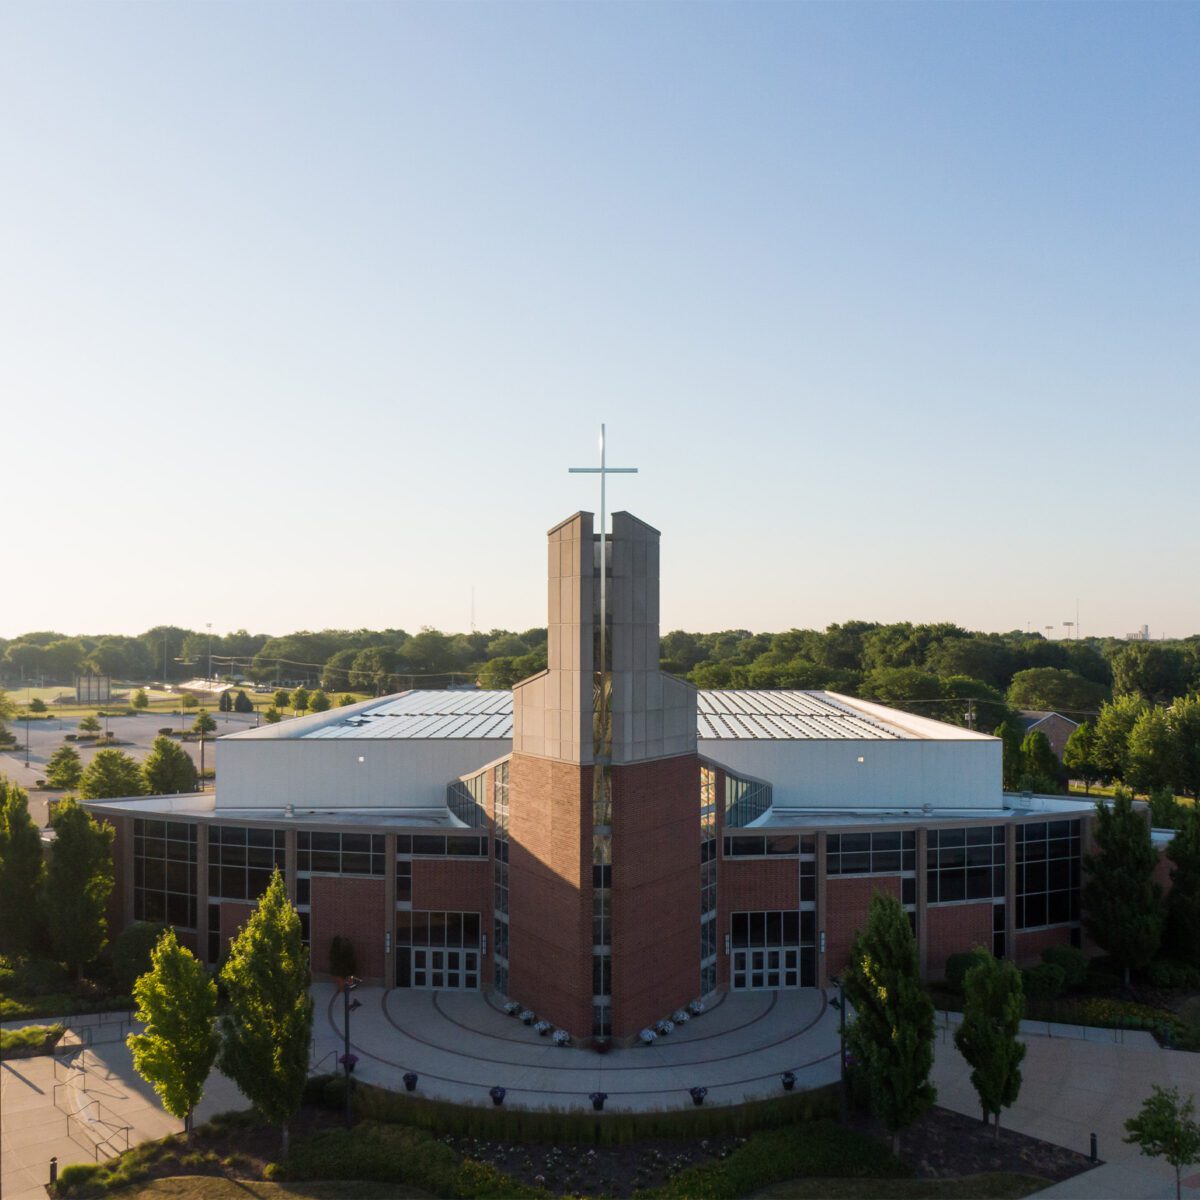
[604, 821]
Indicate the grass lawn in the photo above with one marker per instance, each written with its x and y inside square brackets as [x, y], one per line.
[30, 1037]
[208, 1187]
[972, 1187]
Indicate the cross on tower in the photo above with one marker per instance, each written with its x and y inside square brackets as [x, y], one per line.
[603, 471]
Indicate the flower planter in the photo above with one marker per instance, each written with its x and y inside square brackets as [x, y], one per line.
[697, 1094]
[528, 1017]
[348, 1061]
[410, 1081]
[600, 1045]
[788, 1079]
[598, 1099]
[497, 1095]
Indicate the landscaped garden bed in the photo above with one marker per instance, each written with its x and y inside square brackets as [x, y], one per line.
[29, 1041]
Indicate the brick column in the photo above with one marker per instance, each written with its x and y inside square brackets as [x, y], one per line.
[1010, 891]
[923, 900]
[388, 933]
[822, 973]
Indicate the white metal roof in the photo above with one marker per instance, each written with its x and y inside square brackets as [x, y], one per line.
[784, 714]
[738, 715]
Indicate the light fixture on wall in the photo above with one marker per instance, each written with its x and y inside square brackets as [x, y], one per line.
[860, 759]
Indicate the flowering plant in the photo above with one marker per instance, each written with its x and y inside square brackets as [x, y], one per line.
[681, 1016]
[543, 1027]
[647, 1036]
[664, 1026]
[512, 1007]
[528, 1016]
[696, 1007]
[562, 1037]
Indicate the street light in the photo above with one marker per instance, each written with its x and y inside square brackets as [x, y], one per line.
[349, 983]
[27, 737]
[839, 1002]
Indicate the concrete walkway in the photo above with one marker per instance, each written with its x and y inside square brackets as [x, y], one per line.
[461, 1046]
[1078, 1085]
[99, 1091]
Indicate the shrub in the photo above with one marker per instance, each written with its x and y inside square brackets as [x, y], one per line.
[1169, 973]
[1102, 976]
[131, 952]
[166, 731]
[1073, 961]
[1044, 982]
[342, 961]
[957, 966]
[39, 977]
[78, 1175]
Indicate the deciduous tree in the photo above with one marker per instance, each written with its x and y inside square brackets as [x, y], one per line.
[993, 1006]
[1052, 689]
[893, 1029]
[1150, 752]
[1166, 1127]
[1183, 900]
[1079, 755]
[79, 878]
[21, 871]
[140, 700]
[1040, 768]
[64, 768]
[268, 1025]
[178, 1003]
[1184, 719]
[1122, 904]
[1113, 725]
[110, 775]
[168, 768]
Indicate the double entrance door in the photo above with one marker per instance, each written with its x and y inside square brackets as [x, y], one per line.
[437, 969]
[774, 967]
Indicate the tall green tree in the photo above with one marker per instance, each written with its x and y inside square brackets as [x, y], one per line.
[79, 878]
[204, 723]
[110, 775]
[64, 768]
[1183, 900]
[893, 1029]
[1121, 902]
[1184, 719]
[89, 724]
[993, 1006]
[266, 1030]
[21, 871]
[318, 702]
[168, 768]
[282, 698]
[1051, 689]
[178, 1003]
[1113, 726]
[1166, 1127]
[1151, 670]
[1150, 752]
[300, 699]
[1079, 755]
[1040, 768]
[140, 700]
[1014, 767]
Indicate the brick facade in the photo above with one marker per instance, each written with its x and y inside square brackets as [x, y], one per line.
[550, 889]
[656, 890]
[347, 907]
[848, 901]
[1029, 946]
[233, 916]
[951, 929]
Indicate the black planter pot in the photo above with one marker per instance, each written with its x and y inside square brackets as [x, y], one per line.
[410, 1081]
[697, 1094]
[497, 1095]
[528, 1020]
[598, 1099]
[788, 1080]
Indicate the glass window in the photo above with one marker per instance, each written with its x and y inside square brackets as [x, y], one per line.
[236, 872]
[965, 864]
[164, 872]
[1048, 873]
[882, 853]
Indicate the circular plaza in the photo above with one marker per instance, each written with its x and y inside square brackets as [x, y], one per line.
[461, 1045]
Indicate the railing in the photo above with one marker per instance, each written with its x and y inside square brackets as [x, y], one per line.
[98, 1130]
[331, 1058]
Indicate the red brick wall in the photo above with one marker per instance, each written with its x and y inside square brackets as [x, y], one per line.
[120, 899]
[1029, 947]
[759, 884]
[233, 917]
[550, 889]
[453, 885]
[952, 929]
[343, 906]
[656, 890]
[847, 901]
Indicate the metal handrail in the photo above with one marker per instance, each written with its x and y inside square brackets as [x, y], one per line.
[103, 1117]
[315, 1068]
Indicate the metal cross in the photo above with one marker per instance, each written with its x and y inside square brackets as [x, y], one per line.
[603, 471]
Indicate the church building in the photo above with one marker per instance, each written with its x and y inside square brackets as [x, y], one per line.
[604, 843]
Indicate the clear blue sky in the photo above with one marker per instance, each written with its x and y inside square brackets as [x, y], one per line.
[307, 309]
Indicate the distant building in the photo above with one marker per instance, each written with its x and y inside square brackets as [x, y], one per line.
[93, 689]
[1139, 635]
[1055, 726]
[604, 843]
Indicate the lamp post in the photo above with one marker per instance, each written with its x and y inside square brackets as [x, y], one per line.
[27, 736]
[348, 1059]
[839, 1002]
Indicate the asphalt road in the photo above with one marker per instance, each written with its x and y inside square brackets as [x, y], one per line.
[134, 735]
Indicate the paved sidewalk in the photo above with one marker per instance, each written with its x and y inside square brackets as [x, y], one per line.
[461, 1046]
[1074, 1087]
[35, 1127]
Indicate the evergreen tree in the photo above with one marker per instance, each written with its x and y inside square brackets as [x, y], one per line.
[272, 716]
[993, 1006]
[1122, 904]
[242, 703]
[78, 881]
[1039, 766]
[1166, 1127]
[1165, 812]
[178, 1003]
[64, 768]
[21, 871]
[1013, 765]
[89, 724]
[1079, 755]
[168, 768]
[140, 700]
[225, 703]
[893, 1029]
[268, 1025]
[110, 775]
[204, 723]
[1183, 900]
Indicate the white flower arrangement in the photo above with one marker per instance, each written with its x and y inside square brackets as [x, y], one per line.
[543, 1027]
[664, 1027]
[528, 1016]
[696, 1007]
[512, 1007]
[562, 1037]
[681, 1016]
[647, 1037]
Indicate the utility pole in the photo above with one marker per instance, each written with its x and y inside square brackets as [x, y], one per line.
[209, 627]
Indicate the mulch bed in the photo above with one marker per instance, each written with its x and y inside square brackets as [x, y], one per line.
[945, 1144]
